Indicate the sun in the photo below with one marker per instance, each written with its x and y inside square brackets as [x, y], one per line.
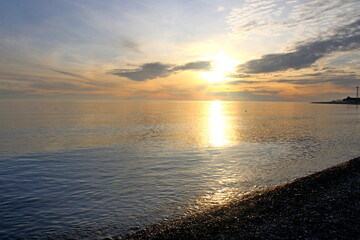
[222, 66]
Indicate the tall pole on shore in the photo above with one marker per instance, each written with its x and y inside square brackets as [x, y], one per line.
[357, 93]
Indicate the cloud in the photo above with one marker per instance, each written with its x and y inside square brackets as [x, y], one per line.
[347, 81]
[14, 93]
[83, 79]
[241, 82]
[270, 17]
[248, 95]
[239, 75]
[61, 86]
[131, 45]
[313, 74]
[266, 92]
[199, 65]
[71, 74]
[220, 8]
[155, 70]
[305, 54]
[51, 83]
[347, 59]
[144, 72]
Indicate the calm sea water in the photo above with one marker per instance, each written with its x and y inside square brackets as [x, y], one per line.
[95, 169]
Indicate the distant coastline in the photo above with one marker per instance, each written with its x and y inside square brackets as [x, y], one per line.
[348, 100]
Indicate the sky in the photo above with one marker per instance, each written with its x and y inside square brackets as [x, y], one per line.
[249, 50]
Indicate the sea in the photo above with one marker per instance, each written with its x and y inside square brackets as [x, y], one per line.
[94, 169]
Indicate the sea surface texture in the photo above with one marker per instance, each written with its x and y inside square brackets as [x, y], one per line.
[87, 170]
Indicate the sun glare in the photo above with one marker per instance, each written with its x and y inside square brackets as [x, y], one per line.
[222, 66]
[217, 125]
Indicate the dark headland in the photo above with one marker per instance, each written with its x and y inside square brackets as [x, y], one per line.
[348, 100]
[324, 205]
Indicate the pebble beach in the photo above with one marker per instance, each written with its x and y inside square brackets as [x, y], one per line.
[324, 205]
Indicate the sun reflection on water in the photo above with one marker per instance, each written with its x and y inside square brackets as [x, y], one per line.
[219, 135]
[217, 125]
[218, 197]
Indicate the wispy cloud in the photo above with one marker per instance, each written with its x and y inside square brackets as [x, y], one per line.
[306, 53]
[260, 95]
[78, 78]
[154, 70]
[239, 75]
[17, 93]
[71, 74]
[220, 8]
[343, 81]
[241, 82]
[144, 72]
[131, 45]
[48, 82]
[61, 86]
[199, 65]
[272, 16]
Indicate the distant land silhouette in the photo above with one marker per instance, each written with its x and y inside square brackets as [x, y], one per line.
[348, 100]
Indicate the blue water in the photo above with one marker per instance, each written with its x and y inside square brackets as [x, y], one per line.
[88, 170]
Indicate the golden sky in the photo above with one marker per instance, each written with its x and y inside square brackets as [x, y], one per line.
[252, 50]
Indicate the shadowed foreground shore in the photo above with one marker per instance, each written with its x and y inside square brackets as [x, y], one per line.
[324, 205]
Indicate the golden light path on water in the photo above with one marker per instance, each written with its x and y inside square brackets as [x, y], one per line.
[220, 136]
[218, 126]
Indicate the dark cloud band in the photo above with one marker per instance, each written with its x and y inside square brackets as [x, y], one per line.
[155, 70]
[144, 72]
[305, 54]
[199, 65]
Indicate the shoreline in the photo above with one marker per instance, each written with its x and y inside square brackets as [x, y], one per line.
[346, 103]
[323, 205]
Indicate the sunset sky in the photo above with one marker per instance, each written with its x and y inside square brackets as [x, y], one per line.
[250, 50]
